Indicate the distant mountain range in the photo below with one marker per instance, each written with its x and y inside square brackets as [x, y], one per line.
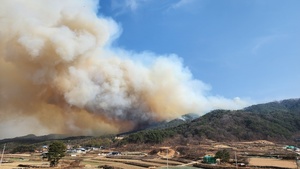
[274, 121]
[31, 138]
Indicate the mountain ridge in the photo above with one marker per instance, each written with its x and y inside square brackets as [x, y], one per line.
[270, 121]
[274, 121]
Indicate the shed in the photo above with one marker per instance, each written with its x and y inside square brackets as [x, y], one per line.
[209, 159]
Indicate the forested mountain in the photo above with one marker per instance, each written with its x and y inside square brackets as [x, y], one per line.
[176, 122]
[271, 121]
[276, 121]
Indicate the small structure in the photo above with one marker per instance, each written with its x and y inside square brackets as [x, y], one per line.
[119, 137]
[81, 150]
[113, 153]
[44, 155]
[209, 159]
[290, 147]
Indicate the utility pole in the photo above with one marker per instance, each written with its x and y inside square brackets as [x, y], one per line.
[236, 166]
[2, 154]
[167, 158]
[297, 162]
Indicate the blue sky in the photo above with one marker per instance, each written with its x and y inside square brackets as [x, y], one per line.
[241, 48]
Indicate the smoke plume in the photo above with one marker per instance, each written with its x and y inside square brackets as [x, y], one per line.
[59, 74]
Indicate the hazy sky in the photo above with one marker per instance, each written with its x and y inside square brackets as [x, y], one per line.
[241, 48]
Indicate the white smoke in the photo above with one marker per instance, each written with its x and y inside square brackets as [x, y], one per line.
[59, 72]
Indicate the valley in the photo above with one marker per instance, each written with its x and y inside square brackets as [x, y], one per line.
[252, 154]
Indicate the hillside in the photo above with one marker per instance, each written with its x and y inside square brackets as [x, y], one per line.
[175, 122]
[271, 121]
[276, 121]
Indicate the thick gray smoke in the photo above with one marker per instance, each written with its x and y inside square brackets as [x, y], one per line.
[59, 74]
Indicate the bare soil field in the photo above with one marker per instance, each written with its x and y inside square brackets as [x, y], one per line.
[14, 165]
[272, 162]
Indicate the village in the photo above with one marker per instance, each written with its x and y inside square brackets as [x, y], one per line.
[255, 154]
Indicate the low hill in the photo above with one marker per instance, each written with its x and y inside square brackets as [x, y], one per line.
[31, 138]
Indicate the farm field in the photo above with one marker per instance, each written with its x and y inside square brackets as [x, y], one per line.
[272, 162]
